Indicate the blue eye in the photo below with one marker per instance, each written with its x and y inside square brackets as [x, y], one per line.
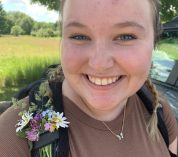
[79, 37]
[125, 37]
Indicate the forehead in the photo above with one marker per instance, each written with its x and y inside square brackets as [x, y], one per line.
[107, 11]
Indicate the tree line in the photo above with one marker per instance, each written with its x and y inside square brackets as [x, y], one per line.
[18, 23]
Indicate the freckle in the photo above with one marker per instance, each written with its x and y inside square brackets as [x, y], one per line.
[98, 2]
[114, 2]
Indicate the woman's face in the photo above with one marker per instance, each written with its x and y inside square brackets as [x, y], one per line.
[106, 50]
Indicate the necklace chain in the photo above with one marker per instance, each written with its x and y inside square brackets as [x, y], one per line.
[120, 135]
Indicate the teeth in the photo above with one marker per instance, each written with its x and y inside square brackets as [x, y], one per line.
[98, 81]
[103, 81]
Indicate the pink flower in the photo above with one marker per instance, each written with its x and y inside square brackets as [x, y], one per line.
[47, 126]
[32, 135]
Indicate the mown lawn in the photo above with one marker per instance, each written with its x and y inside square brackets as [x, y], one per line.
[23, 59]
[170, 46]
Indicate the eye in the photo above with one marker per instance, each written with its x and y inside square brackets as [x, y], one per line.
[125, 37]
[79, 37]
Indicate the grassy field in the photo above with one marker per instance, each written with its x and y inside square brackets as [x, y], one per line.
[23, 59]
[170, 46]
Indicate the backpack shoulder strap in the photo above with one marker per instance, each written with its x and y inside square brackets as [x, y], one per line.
[58, 139]
[146, 98]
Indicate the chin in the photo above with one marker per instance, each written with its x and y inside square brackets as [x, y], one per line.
[102, 103]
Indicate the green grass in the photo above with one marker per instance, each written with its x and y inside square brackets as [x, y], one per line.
[170, 46]
[23, 59]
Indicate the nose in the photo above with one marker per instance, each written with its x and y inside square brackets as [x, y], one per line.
[101, 57]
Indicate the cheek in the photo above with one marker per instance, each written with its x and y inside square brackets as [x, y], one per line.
[72, 58]
[137, 61]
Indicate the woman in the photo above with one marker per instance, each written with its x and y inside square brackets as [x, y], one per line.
[106, 56]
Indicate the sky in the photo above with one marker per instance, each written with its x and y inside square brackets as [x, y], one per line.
[36, 11]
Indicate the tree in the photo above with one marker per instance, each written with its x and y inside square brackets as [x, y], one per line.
[26, 24]
[169, 8]
[17, 30]
[3, 24]
[22, 20]
[51, 4]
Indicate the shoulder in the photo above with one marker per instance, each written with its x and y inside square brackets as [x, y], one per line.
[10, 144]
[170, 119]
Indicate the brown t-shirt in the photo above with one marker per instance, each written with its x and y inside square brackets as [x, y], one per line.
[90, 138]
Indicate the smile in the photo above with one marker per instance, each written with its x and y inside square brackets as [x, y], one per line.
[103, 81]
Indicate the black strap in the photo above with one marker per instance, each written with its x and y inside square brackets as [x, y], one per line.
[146, 98]
[59, 140]
[63, 146]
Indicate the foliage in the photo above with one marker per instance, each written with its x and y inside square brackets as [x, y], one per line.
[42, 29]
[51, 4]
[26, 24]
[3, 23]
[21, 19]
[17, 30]
[44, 32]
[169, 9]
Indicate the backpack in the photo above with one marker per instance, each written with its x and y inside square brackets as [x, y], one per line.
[59, 139]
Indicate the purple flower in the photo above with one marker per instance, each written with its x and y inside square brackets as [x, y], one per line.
[47, 126]
[38, 117]
[34, 124]
[32, 135]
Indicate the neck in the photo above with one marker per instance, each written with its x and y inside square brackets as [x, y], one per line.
[101, 115]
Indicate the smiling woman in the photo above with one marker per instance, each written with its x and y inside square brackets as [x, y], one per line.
[106, 51]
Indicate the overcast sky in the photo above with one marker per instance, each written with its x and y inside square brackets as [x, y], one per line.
[36, 11]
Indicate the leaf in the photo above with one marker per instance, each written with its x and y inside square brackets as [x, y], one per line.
[30, 144]
[21, 134]
[37, 97]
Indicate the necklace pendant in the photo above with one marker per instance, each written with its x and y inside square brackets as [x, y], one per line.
[120, 136]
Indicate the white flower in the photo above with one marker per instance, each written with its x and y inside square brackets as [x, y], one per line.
[59, 120]
[62, 120]
[26, 117]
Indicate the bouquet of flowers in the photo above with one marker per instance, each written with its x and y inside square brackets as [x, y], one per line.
[38, 119]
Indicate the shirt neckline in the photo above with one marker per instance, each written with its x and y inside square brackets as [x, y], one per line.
[75, 112]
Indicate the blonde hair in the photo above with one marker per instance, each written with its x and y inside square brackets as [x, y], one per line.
[152, 126]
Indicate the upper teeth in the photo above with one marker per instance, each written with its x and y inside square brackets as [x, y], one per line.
[103, 81]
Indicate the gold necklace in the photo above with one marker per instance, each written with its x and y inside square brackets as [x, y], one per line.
[120, 135]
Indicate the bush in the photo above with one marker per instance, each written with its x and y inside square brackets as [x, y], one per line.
[34, 33]
[17, 30]
[45, 32]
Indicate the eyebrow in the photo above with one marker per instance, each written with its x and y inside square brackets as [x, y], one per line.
[129, 24]
[75, 24]
[120, 25]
